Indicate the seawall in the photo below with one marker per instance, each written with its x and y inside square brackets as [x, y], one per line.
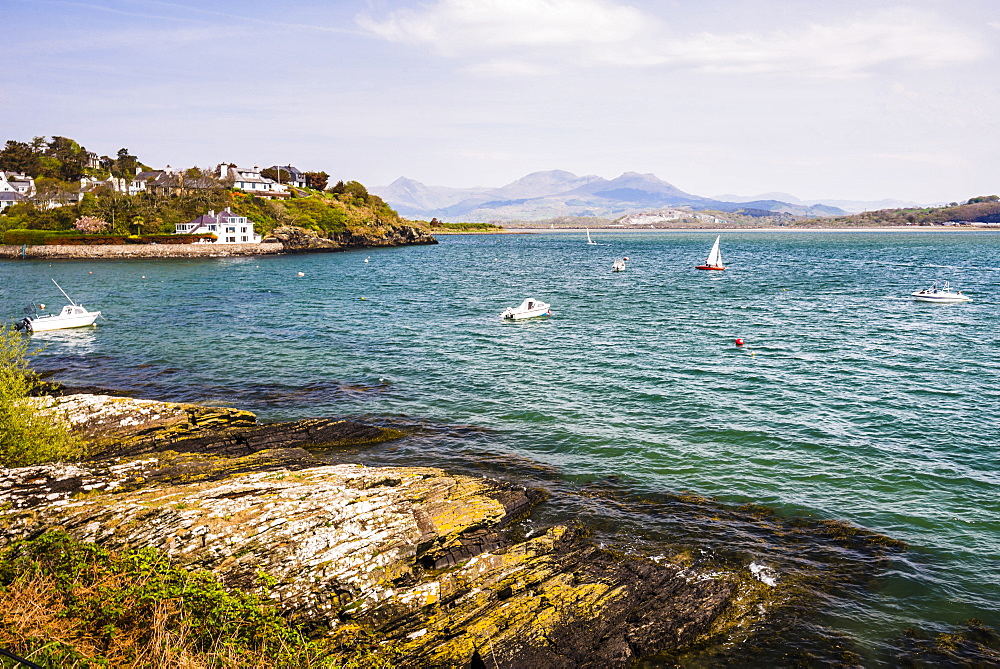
[140, 250]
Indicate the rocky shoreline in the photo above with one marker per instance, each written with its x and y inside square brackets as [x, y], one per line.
[452, 569]
[435, 562]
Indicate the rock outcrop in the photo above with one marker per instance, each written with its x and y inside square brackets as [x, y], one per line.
[437, 563]
[294, 239]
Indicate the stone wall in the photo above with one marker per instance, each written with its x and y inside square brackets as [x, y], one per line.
[141, 250]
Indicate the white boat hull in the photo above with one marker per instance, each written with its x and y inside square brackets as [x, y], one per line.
[46, 323]
[522, 315]
[942, 298]
[530, 308]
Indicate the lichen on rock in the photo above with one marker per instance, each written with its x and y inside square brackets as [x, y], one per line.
[430, 560]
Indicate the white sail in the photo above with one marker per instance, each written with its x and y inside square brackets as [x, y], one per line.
[714, 256]
[589, 240]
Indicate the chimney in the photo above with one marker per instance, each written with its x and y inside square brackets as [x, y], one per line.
[211, 213]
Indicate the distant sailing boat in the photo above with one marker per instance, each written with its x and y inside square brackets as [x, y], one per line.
[589, 240]
[714, 260]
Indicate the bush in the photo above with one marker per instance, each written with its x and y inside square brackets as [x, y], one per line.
[42, 237]
[27, 437]
[70, 603]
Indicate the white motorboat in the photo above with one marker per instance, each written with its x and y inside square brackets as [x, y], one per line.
[943, 295]
[619, 265]
[530, 308]
[73, 315]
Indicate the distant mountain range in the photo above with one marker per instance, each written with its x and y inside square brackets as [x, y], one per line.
[556, 193]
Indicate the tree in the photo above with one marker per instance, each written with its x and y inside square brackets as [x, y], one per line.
[316, 180]
[19, 157]
[71, 157]
[124, 166]
[279, 174]
[117, 208]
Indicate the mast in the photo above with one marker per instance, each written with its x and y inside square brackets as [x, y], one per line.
[64, 293]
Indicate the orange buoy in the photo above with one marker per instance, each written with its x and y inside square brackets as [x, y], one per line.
[739, 342]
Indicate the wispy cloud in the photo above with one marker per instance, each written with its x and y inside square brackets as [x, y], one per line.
[537, 36]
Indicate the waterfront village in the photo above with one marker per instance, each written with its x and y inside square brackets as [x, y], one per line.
[228, 227]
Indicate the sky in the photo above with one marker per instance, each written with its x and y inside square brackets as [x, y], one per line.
[845, 99]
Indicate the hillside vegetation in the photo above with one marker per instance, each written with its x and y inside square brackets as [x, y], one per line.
[984, 209]
[347, 208]
[57, 165]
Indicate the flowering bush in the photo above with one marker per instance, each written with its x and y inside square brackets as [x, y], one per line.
[90, 224]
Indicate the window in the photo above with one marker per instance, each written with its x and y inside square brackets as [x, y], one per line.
[244, 238]
[230, 228]
[230, 239]
[213, 227]
[243, 229]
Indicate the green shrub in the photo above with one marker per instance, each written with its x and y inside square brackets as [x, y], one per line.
[42, 237]
[70, 603]
[27, 437]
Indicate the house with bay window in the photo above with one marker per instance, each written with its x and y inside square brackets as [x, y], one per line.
[228, 227]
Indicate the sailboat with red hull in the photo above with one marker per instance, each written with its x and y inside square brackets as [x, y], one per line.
[714, 260]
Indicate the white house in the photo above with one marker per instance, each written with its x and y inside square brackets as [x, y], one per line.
[250, 180]
[230, 228]
[14, 188]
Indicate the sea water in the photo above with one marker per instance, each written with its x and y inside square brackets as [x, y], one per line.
[847, 401]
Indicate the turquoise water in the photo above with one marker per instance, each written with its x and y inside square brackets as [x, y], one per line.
[849, 401]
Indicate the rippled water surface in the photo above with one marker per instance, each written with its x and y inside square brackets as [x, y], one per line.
[849, 401]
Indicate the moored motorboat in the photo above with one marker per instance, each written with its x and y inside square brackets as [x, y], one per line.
[530, 308]
[944, 295]
[73, 315]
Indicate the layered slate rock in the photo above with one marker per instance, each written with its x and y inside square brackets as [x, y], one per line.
[433, 561]
[295, 239]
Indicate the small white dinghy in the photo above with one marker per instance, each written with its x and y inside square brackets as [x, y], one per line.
[530, 308]
[714, 259]
[943, 296]
[619, 265]
[590, 241]
[73, 315]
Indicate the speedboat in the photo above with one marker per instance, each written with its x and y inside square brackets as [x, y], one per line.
[530, 308]
[73, 315]
[943, 295]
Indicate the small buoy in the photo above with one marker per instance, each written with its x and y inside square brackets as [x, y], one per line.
[366, 259]
[89, 272]
[362, 298]
[41, 306]
[302, 273]
[143, 277]
[739, 342]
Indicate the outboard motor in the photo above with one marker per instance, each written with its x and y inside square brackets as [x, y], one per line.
[23, 325]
